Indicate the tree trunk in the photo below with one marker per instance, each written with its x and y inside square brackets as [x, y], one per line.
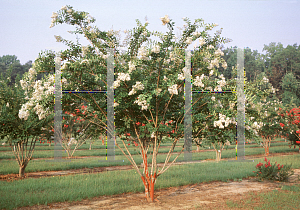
[198, 148]
[22, 171]
[90, 146]
[101, 137]
[218, 155]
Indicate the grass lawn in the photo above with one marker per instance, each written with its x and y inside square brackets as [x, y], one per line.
[28, 192]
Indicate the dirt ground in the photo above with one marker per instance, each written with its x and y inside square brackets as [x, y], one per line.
[211, 195]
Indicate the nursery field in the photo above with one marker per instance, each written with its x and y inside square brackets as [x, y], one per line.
[92, 184]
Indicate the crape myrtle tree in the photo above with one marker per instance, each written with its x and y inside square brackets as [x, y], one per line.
[290, 124]
[264, 112]
[217, 112]
[21, 135]
[149, 82]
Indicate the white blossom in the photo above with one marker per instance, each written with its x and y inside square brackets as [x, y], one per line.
[181, 76]
[213, 98]
[198, 81]
[189, 40]
[153, 135]
[54, 15]
[224, 65]
[123, 76]
[211, 47]
[173, 89]
[131, 66]
[116, 84]
[156, 49]
[165, 19]
[219, 52]
[158, 90]
[201, 41]
[266, 80]
[211, 72]
[142, 53]
[63, 8]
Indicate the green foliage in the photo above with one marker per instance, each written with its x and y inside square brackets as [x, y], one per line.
[291, 88]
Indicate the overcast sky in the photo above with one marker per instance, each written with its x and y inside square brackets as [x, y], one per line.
[249, 23]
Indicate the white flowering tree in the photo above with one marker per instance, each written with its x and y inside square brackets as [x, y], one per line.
[22, 135]
[149, 81]
[263, 110]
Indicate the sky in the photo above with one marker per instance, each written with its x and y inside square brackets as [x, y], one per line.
[25, 24]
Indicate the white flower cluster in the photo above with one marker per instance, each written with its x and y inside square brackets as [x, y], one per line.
[121, 77]
[63, 8]
[142, 103]
[156, 49]
[198, 81]
[210, 47]
[257, 126]
[189, 40]
[266, 80]
[165, 19]
[131, 67]
[214, 62]
[54, 18]
[39, 91]
[224, 65]
[142, 53]
[219, 123]
[201, 41]
[173, 89]
[219, 52]
[221, 83]
[137, 86]
[181, 76]
[72, 141]
[158, 90]
[153, 135]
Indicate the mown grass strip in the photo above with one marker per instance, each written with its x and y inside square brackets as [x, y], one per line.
[11, 166]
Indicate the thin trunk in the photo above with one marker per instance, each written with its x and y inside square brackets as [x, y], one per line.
[22, 170]
[90, 146]
[198, 148]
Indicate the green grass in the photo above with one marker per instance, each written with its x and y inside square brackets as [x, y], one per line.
[28, 192]
[11, 166]
[47, 152]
